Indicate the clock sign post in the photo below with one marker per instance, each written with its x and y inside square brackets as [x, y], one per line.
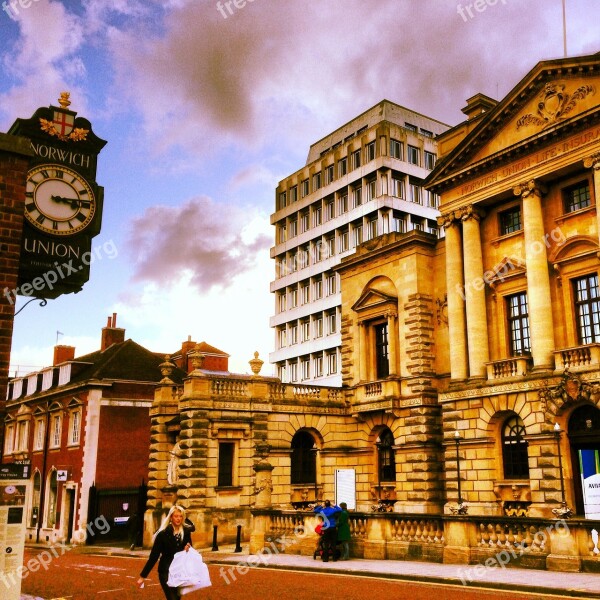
[63, 202]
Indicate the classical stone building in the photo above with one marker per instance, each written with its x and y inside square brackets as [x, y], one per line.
[470, 366]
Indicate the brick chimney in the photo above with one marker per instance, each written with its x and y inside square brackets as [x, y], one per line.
[111, 334]
[63, 354]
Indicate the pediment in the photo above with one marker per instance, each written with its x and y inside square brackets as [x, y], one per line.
[371, 298]
[509, 266]
[552, 96]
[575, 248]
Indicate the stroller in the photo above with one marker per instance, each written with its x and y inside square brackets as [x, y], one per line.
[320, 549]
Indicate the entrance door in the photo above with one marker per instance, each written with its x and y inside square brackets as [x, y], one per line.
[584, 438]
[71, 505]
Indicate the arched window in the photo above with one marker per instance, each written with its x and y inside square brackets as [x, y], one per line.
[385, 456]
[514, 449]
[304, 455]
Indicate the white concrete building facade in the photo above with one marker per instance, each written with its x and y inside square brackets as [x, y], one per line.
[359, 182]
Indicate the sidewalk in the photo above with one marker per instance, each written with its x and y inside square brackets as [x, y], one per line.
[575, 585]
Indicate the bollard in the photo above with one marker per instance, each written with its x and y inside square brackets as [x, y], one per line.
[238, 546]
[215, 547]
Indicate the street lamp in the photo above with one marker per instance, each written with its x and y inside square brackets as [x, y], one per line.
[461, 509]
[315, 449]
[564, 512]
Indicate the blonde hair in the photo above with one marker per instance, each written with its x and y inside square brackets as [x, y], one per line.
[167, 520]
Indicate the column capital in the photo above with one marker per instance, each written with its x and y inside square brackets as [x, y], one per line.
[529, 188]
[471, 212]
[391, 314]
[592, 162]
[446, 220]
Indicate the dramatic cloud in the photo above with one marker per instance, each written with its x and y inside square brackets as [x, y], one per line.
[211, 243]
[298, 67]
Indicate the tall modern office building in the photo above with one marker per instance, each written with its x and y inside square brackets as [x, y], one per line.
[359, 182]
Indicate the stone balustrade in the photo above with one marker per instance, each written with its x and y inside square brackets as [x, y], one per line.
[579, 357]
[558, 545]
[517, 366]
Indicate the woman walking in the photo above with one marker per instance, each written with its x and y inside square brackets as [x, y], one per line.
[171, 537]
[343, 533]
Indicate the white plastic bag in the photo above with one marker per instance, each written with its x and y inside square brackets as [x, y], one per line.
[188, 572]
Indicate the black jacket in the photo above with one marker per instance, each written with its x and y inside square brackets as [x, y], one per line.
[166, 546]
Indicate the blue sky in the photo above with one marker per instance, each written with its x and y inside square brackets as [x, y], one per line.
[205, 114]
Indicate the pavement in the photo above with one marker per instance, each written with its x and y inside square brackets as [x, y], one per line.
[549, 583]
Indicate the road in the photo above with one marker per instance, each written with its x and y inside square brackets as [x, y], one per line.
[75, 576]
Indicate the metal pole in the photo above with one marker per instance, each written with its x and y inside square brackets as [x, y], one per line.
[564, 12]
[562, 480]
[457, 440]
[215, 547]
[238, 539]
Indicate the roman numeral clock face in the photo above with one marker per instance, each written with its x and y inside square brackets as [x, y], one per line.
[58, 201]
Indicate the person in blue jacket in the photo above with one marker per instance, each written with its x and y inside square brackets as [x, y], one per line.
[330, 514]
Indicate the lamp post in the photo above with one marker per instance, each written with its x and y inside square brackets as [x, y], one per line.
[461, 509]
[315, 450]
[457, 442]
[564, 511]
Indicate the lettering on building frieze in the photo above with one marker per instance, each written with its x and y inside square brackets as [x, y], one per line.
[490, 391]
[542, 156]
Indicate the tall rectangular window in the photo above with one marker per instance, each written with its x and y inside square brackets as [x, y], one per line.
[373, 228]
[370, 152]
[396, 149]
[358, 234]
[371, 190]
[382, 364]
[75, 428]
[226, 456]
[587, 309]
[328, 174]
[304, 188]
[355, 157]
[304, 222]
[316, 182]
[331, 322]
[293, 228]
[429, 160]
[397, 188]
[305, 367]
[55, 431]
[304, 292]
[317, 216]
[518, 324]
[38, 434]
[342, 167]
[357, 196]
[293, 194]
[343, 203]
[510, 220]
[413, 155]
[576, 196]
[331, 284]
[415, 193]
[329, 210]
[318, 365]
[282, 200]
[344, 240]
[331, 363]
[305, 330]
[293, 334]
[318, 288]
[9, 439]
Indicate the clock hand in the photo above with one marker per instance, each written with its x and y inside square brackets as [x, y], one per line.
[74, 202]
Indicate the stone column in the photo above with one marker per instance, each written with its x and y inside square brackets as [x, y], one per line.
[392, 322]
[456, 297]
[477, 332]
[538, 279]
[593, 162]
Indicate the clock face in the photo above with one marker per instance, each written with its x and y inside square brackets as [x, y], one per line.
[58, 201]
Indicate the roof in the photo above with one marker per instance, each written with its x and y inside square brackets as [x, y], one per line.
[126, 361]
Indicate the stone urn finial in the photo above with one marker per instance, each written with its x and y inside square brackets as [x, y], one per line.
[166, 369]
[256, 364]
[197, 357]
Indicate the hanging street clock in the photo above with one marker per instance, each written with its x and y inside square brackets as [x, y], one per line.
[63, 202]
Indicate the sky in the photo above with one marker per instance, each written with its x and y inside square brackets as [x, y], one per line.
[206, 106]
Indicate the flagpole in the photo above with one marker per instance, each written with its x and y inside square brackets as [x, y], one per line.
[564, 11]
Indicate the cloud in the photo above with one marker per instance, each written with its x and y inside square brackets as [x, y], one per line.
[209, 243]
[280, 73]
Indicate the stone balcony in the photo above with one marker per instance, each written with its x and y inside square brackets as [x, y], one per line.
[377, 395]
[577, 358]
[517, 366]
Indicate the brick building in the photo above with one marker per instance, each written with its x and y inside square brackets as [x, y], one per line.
[84, 424]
